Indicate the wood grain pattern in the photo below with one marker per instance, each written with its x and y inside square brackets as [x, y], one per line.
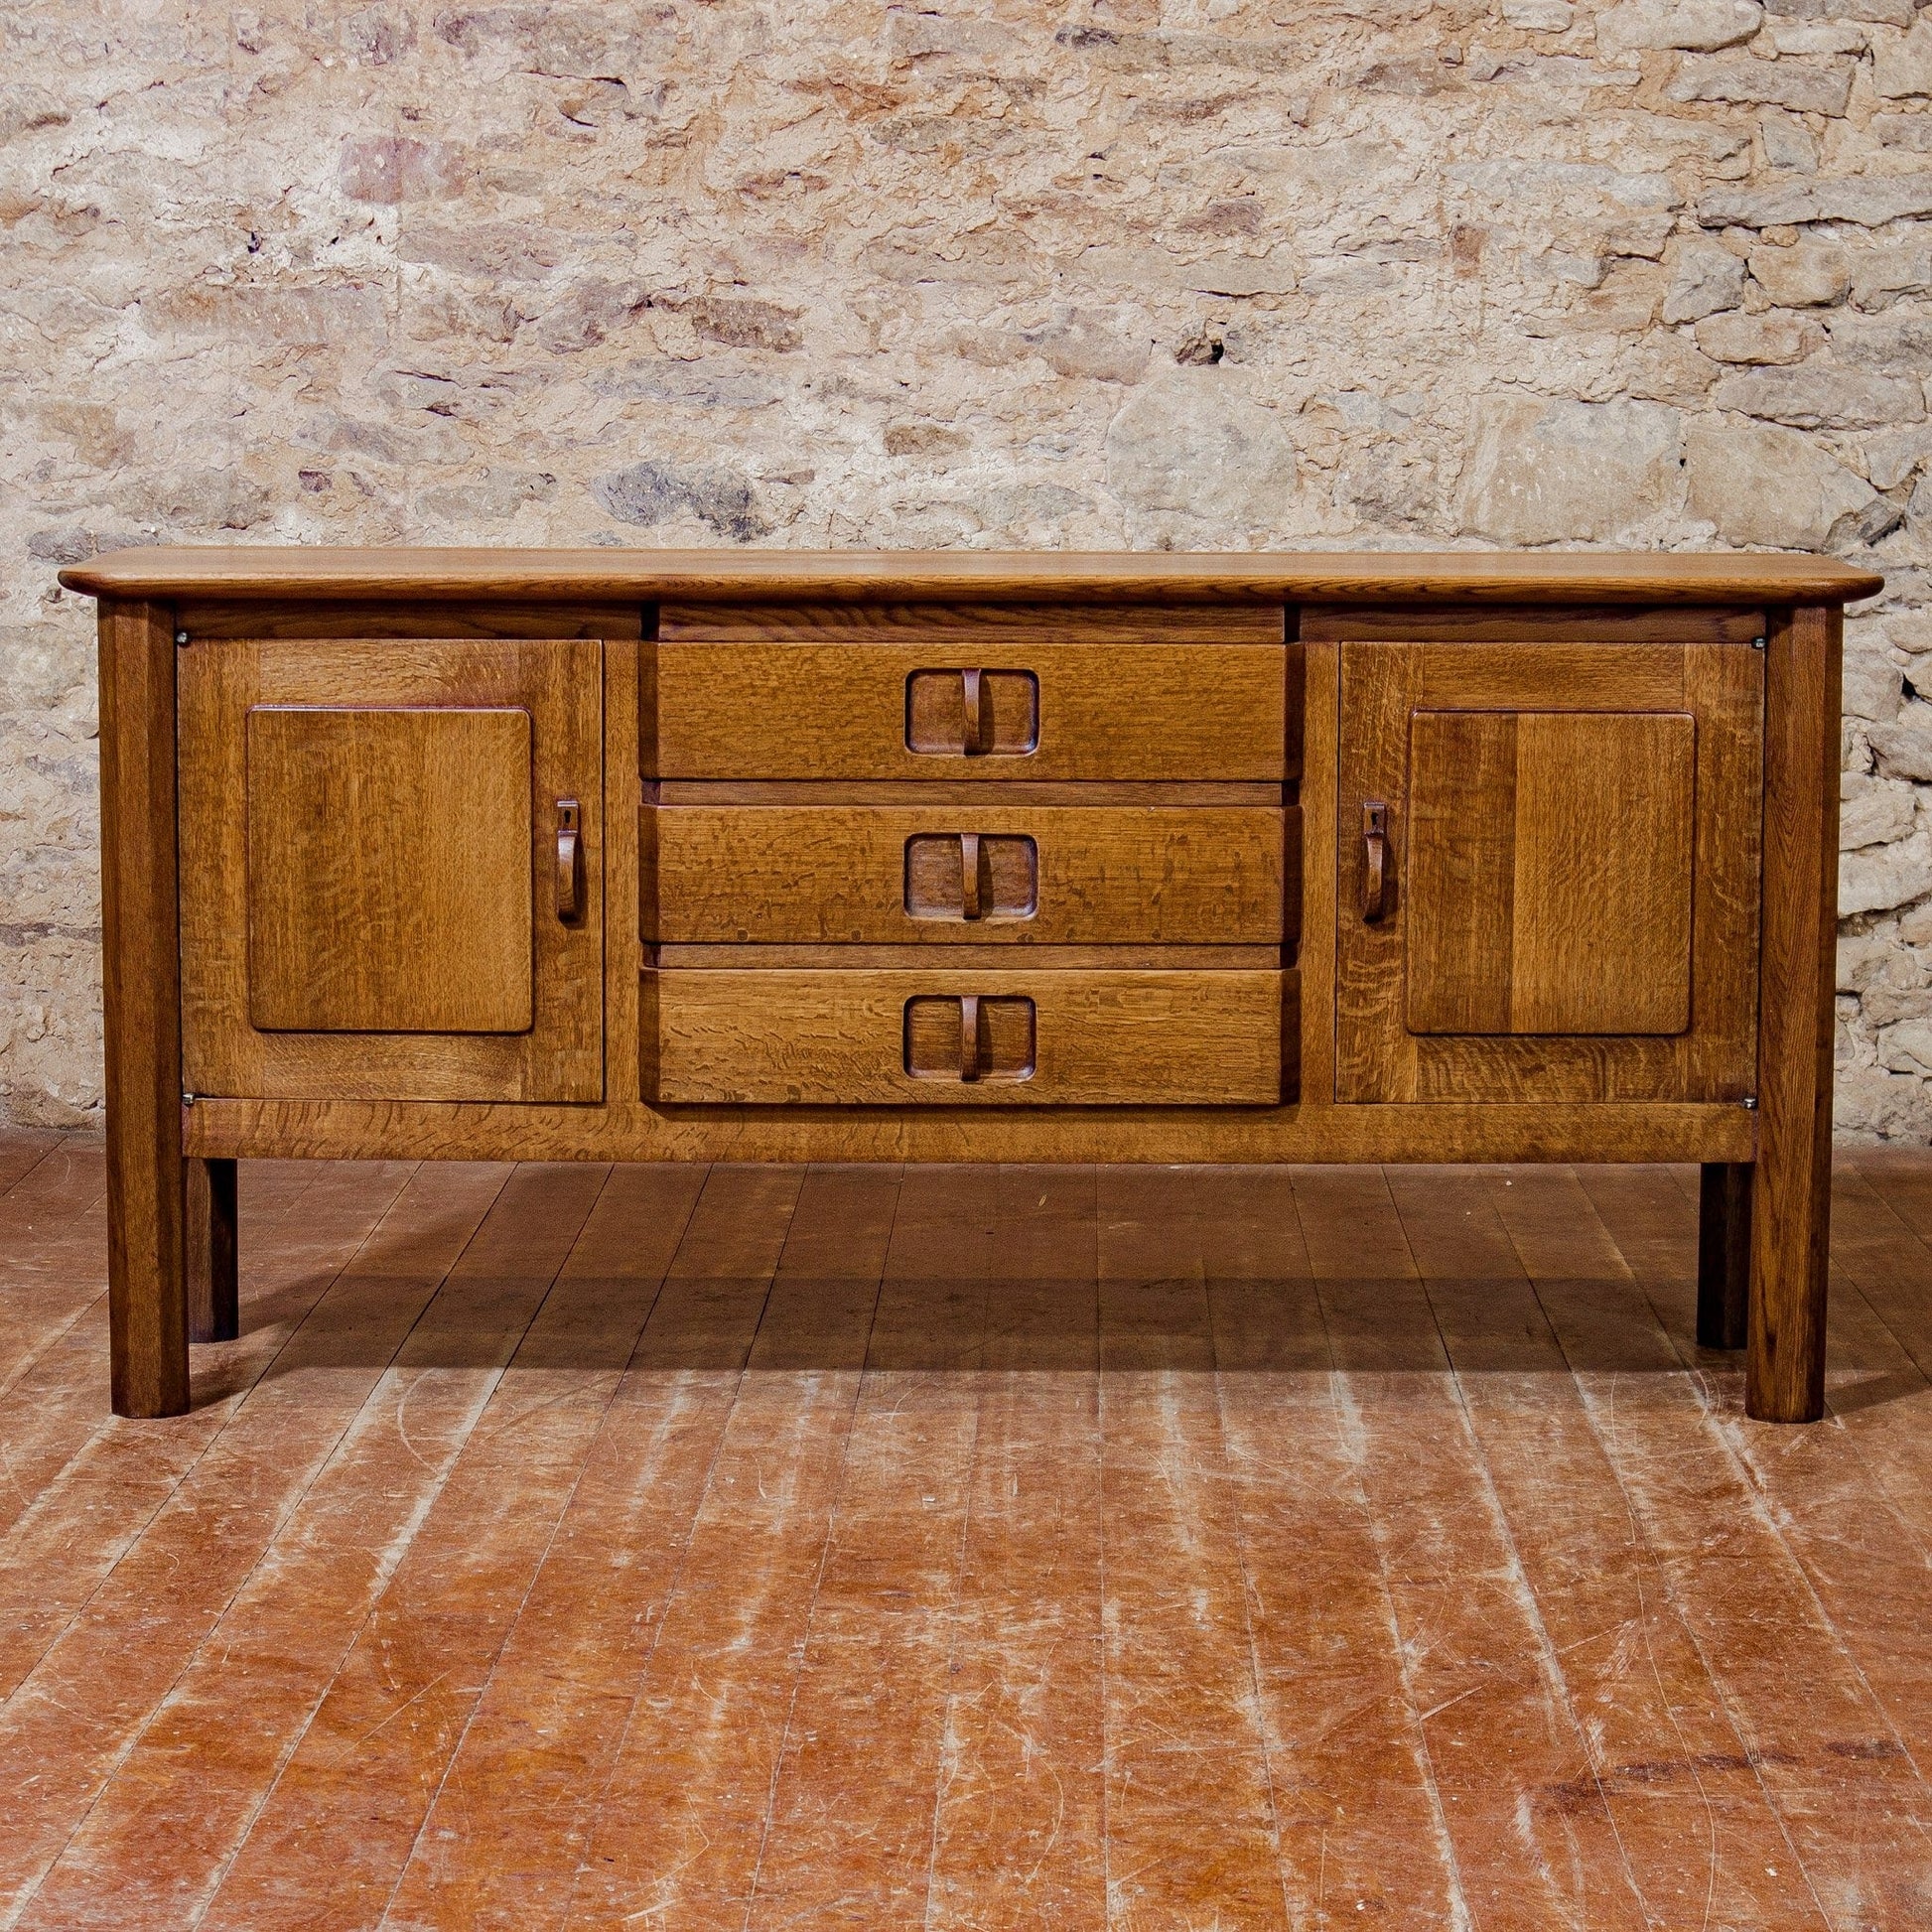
[672, 576]
[1507, 678]
[558, 684]
[389, 880]
[147, 1293]
[1719, 687]
[969, 953]
[742, 710]
[1535, 624]
[838, 1039]
[1784, 1368]
[1188, 876]
[1549, 874]
[1008, 620]
[207, 619]
[941, 791]
[629, 1131]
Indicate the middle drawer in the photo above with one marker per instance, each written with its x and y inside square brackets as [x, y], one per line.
[898, 875]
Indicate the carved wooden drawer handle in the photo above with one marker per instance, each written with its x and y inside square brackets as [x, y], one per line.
[1375, 858]
[969, 1036]
[979, 726]
[570, 863]
[969, 875]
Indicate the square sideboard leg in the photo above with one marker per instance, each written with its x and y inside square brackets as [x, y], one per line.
[214, 1313]
[146, 1189]
[1791, 1183]
[1724, 1254]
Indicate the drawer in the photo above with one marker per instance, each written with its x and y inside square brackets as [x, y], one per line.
[970, 707]
[975, 1039]
[1076, 874]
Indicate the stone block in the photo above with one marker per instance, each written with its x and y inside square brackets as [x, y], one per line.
[1555, 472]
[1893, 456]
[1911, 134]
[1539, 16]
[1802, 274]
[1907, 1048]
[1192, 444]
[1822, 398]
[1704, 277]
[1875, 811]
[1872, 680]
[1702, 25]
[1868, 201]
[1904, 749]
[1884, 876]
[1808, 86]
[1775, 336]
[1894, 12]
[1901, 63]
[1874, 1105]
[1898, 342]
[1879, 276]
[1787, 141]
[1761, 485]
[652, 492]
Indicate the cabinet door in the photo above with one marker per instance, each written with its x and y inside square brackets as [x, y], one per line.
[388, 877]
[1548, 872]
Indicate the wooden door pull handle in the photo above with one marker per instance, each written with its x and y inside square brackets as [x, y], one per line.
[978, 739]
[570, 863]
[969, 1036]
[969, 875]
[1375, 858]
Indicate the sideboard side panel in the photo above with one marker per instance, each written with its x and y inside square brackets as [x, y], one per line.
[1784, 1377]
[146, 1250]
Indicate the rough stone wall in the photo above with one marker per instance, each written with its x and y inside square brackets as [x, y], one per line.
[1209, 274]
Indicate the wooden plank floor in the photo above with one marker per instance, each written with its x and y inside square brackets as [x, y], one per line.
[1061, 1548]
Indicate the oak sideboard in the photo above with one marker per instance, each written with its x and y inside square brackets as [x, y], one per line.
[771, 856]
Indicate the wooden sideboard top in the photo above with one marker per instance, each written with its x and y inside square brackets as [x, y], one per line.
[1379, 577]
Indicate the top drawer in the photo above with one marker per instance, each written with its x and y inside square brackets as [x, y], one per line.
[975, 694]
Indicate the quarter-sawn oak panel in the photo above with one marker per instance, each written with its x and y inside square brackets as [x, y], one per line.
[409, 830]
[1550, 872]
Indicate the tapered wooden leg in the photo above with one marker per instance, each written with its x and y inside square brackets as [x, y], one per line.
[147, 1296]
[1724, 1254]
[1791, 1183]
[213, 1311]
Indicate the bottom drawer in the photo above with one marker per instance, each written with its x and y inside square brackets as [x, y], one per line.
[975, 1039]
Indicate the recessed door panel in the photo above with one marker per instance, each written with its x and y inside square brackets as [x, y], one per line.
[389, 880]
[1550, 862]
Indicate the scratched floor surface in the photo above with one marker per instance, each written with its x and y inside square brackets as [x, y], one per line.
[564, 1545]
